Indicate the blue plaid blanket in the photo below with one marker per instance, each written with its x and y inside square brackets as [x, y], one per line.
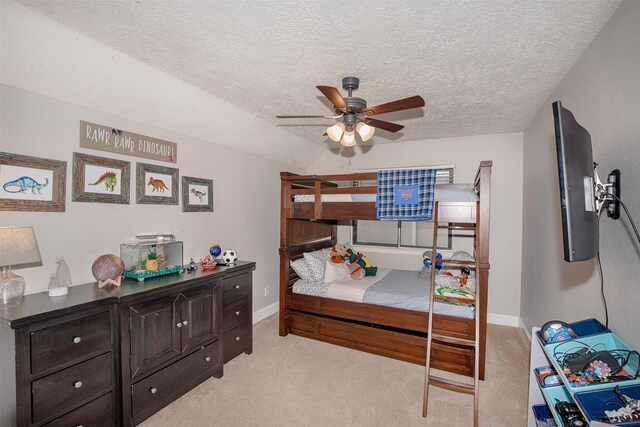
[406, 194]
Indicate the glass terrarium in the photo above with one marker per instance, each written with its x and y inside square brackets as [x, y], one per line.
[144, 258]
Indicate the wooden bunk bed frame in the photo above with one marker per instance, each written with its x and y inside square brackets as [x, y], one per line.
[386, 331]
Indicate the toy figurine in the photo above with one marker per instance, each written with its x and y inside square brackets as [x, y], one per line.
[464, 276]
[192, 267]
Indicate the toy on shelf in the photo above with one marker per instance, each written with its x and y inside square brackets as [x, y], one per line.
[208, 263]
[192, 267]
[230, 256]
[215, 251]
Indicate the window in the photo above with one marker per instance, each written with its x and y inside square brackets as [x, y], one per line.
[406, 234]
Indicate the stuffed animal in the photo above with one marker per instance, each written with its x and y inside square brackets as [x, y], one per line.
[342, 250]
[356, 271]
[336, 258]
[358, 259]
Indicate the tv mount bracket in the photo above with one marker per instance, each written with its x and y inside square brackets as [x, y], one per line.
[608, 193]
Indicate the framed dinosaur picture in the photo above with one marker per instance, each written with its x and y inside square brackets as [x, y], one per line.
[197, 194]
[156, 185]
[100, 180]
[32, 183]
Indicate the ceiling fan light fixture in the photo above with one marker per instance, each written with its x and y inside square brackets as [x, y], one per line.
[348, 139]
[335, 132]
[365, 131]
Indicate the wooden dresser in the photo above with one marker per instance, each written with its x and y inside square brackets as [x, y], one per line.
[115, 356]
[236, 315]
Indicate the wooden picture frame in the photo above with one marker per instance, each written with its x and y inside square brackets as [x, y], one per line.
[197, 194]
[23, 187]
[100, 180]
[156, 185]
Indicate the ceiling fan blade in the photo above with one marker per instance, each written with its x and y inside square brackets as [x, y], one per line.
[401, 104]
[335, 97]
[304, 117]
[391, 127]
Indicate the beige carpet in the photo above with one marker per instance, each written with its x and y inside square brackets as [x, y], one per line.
[294, 381]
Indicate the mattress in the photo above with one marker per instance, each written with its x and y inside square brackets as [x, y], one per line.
[443, 193]
[391, 288]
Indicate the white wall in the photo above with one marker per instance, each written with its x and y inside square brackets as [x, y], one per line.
[603, 91]
[246, 189]
[52, 77]
[506, 202]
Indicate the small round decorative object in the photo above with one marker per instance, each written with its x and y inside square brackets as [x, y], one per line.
[556, 331]
[215, 251]
[230, 256]
[107, 267]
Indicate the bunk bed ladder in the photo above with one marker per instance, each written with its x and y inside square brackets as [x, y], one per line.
[450, 384]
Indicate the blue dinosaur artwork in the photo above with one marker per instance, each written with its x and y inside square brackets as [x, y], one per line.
[23, 184]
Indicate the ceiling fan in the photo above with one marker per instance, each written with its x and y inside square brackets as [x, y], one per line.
[353, 115]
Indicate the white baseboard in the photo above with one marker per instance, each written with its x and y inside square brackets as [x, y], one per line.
[525, 329]
[263, 313]
[503, 319]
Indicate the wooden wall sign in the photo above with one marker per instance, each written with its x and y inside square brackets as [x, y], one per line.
[104, 138]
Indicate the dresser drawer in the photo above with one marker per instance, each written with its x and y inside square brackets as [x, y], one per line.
[236, 341]
[236, 288]
[67, 388]
[97, 413]
[166, 385]
[65, 342]
[236, 314]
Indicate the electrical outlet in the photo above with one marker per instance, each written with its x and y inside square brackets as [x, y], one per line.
[266, 291]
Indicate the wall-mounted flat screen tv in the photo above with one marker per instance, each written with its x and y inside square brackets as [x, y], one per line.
[580, 225]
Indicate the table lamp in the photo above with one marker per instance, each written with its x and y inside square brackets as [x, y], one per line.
[18, 246]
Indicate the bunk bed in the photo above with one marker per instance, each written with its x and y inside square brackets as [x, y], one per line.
[311, 207]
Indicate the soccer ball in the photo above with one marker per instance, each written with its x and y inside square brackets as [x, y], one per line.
[229, 256]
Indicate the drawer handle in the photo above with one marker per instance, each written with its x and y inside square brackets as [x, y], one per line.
[185, 323]
[77, 384]
[153, 390]
[238, 313]
[179, 325]
[76, 340]
[207, 359]
[237, 286]
[237, 338]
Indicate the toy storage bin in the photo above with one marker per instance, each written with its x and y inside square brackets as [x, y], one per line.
[551, 394]
[543, 416]
[547, 376]
[582, 328]
[594, 403]
[607, 341]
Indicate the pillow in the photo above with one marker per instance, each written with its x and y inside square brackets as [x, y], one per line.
[334, 272]
[301, 268]
[316, 261]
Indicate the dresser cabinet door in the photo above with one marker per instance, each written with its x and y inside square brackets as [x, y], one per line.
[198, 315]
[155, 334]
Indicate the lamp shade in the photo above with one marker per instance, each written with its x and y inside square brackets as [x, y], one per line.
[18, 245]
[365, 131]
[349, 139]
[335, 132]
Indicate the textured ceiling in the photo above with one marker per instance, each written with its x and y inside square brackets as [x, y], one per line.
[483, 66]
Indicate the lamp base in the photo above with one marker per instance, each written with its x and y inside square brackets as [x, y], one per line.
[11, 288]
